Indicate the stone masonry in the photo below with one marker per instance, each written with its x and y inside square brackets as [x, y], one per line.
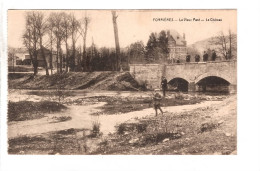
[191, 72]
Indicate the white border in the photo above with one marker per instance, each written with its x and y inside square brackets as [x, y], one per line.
[248, 95]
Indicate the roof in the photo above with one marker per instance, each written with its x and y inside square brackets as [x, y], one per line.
[180, 41]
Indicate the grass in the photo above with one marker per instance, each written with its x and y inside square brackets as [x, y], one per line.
[186, 133]
[27, 110]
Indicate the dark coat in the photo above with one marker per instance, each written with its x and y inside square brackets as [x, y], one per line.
[197, 58]
[188, 58]
[164, 83]
[214, 56]
[205, 57]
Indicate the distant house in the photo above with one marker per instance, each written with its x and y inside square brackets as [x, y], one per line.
[47, 53]
[20, 55]
[177, 46]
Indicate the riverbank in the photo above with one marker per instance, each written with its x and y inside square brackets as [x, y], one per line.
[185, 133]
[105, 80]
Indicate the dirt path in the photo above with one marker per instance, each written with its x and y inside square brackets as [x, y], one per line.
[82, 118]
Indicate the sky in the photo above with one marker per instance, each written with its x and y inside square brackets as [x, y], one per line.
[136, 25]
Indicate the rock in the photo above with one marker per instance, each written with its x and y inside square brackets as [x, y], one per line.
[220, 122]
[228, 134]
[166, 139]
[132, 141]
[182, 133]
[126, 133]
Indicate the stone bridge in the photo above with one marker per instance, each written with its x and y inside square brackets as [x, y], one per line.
[193, 74]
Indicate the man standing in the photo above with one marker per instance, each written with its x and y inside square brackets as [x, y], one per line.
[214, 56]
[197, 58]
[164, 85]
[188, 58]
[205, 56]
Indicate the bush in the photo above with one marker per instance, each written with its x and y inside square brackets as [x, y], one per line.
[95, 132]
[130, 127]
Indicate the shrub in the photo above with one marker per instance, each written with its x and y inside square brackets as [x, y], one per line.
[95, 132]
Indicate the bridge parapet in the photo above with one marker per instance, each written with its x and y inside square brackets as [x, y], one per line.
[192, 72]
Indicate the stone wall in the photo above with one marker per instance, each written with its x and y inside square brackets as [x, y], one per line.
[147, 73]
[191, 72]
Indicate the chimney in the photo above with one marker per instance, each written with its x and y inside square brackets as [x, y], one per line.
[184, 36]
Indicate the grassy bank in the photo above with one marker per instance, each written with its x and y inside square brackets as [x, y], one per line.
[106, 80]
[27, 110]
[193, 132]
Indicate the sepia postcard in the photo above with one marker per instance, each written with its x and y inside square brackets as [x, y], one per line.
[122, 82]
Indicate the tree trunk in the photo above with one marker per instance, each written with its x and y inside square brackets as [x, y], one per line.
[118, 59]
[73, 57]
[51, 66]
[44, 57]
[67, 52]
[57, 57]
[60, 59]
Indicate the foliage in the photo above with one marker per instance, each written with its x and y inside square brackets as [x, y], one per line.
[226, 45]
[136, 52]
[157, 47]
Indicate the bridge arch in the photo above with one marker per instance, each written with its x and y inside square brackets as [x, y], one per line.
[178, 84]
[211, 74]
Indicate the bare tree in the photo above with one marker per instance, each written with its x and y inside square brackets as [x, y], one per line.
[118, 59]
[83, 33]
[30, 40]
[225, 45]
[41, 26]
[66, 25]
[74, 30]
[51, 26]
[57, 20]
[12, 56]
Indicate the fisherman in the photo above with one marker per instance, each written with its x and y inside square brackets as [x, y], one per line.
[157, 101]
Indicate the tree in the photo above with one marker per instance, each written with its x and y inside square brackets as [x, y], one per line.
[83, 32]
[151, 47]
[66, 26]
[57, 21]
[225, 45]
[12, 56]
[51, 26]
[157, 47]
[30, 39]
[136, 52]
[41, 27]
[118, 59]
[74, 30]
[163, 45]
